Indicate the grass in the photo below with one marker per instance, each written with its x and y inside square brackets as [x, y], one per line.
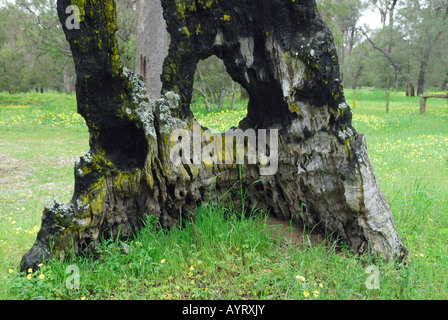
[37, 157]
[219, 119]
[219, 255]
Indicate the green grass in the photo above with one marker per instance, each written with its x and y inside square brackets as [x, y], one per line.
[37, 158]
[219, 255]
[220, 119]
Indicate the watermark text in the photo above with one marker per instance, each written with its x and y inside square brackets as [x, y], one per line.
[196, 146]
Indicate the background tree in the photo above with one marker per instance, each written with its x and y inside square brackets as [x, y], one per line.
[12, 52]
[213, 83]
[34, 54]
[424, 27]
[127, 19]
[33, 49]
[390, 57]
[386, 37]
[152, 45]
[24, 50]
[46, 44]
[343, 17]
[410, 40]
[386, 9]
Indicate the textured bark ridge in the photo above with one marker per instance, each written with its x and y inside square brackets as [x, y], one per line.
[283, 54]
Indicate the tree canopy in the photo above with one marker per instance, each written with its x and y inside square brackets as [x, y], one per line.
[33, 49]
[34, 53]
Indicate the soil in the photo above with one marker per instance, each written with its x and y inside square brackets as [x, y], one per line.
[282, 228]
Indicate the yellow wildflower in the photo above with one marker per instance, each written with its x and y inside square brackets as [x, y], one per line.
[163, 261]
[301, 278]
[306, 293]
[139, 244]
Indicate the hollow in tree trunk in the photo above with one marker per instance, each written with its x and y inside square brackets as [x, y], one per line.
[314, 170]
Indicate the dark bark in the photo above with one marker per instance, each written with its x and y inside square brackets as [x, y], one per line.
[283, 54]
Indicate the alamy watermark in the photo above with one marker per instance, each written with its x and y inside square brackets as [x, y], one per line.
[233, 147]
[73, 280]
[373, 280]
[74, 19]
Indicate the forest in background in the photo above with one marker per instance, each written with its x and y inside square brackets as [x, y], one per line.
[411, 42]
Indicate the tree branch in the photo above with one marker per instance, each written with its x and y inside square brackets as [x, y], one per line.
[388, 57]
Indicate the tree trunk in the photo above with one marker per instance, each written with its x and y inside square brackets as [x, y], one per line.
[424, 63]
[222, 94]
[212, 96]
[444, 85]
[69, 78]
[410, 90]
[388, 90]
[232, 104]
[243, 94]
[203, 91]
[422, 74]
[152, 45]
[397, 79]
[318, 162]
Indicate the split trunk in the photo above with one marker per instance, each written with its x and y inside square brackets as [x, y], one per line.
[283, 55]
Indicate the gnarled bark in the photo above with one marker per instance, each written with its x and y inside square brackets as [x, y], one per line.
[283, 54]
